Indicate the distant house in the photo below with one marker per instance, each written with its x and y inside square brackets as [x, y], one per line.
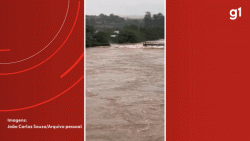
[117, 32]
[101, 22]
[113, 36]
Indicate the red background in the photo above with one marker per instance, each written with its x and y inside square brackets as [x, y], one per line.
[25, 28]
[208, 71]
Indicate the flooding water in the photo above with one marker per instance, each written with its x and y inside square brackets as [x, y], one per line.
[125, 93]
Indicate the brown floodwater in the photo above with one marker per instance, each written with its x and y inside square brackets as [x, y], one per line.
[125, 93]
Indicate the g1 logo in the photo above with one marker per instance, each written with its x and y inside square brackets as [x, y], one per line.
[233, 13]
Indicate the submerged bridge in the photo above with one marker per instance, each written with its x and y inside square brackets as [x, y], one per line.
[153, 44]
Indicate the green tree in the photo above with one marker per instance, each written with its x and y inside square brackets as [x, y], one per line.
[100, 38]
[131, 27]
[130, 36]
[89, 35]
[147, 20]
[158, 20]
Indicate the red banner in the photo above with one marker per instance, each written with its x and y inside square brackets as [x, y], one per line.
[42, 70]
[207, 70]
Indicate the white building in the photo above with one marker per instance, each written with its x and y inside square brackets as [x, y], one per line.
[117, 32]
[113, 36]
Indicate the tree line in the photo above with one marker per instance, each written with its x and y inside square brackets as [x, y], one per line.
[150, 28]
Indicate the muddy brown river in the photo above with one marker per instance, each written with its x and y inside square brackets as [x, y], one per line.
[125, 93]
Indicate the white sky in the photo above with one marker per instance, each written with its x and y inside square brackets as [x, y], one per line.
[124, 7]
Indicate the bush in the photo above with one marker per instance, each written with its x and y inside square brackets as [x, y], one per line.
[130, 36]
[100, 38]
[89, 34]
[153, 33]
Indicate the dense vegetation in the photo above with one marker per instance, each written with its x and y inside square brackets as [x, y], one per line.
[100, 28]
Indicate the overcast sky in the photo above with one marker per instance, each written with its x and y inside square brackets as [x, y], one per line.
[124, 7]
